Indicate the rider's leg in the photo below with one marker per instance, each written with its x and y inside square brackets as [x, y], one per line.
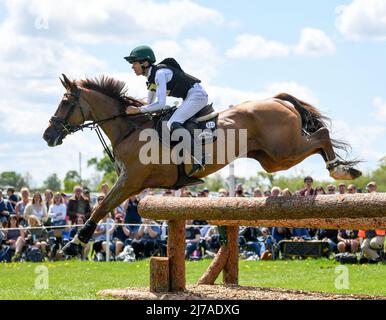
[195, 101]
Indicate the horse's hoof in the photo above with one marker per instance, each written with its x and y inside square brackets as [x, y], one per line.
[343, 172]
[71, 249]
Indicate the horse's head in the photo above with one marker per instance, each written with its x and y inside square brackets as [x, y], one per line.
[68, 116]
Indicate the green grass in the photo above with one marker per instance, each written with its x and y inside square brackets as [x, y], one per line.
[81, 280]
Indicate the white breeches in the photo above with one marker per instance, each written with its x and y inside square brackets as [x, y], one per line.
[196, 100]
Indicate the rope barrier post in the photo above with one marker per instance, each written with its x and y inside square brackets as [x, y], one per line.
[107, 243]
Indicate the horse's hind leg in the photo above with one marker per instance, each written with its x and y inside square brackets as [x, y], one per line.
[320, 142]
[302, 148]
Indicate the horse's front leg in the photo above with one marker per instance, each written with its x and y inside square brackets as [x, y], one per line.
[118, 193]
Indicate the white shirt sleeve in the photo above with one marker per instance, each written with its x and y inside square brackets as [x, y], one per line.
[162, 77]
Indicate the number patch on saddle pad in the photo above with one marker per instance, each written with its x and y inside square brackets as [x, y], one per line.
[210, 124]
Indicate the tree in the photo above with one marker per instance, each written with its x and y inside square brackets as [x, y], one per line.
[52, 182]
[106, 167]
[215, 182]
[71, 179]
[11, 178]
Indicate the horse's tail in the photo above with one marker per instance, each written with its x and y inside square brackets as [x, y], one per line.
[312, 119]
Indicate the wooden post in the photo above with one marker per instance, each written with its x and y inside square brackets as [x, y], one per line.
[215, 268]
[159, 274]
[176, 255]
[231, 268]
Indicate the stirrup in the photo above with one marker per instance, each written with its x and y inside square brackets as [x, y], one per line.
[197, 167]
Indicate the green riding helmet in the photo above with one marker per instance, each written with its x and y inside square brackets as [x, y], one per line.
[140, 54]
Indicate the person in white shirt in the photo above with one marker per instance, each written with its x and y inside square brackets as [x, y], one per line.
[168, 79]
[57, 211]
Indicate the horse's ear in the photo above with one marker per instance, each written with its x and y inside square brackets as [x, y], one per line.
[68, 84]
[63, 83]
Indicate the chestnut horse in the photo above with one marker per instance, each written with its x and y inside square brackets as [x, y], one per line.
[281, 132]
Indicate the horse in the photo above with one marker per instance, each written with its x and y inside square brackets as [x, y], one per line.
[282, 131]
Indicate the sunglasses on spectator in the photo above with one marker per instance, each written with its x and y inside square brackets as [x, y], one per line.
[101, 198]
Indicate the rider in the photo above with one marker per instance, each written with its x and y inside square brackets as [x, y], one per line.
[168, 79]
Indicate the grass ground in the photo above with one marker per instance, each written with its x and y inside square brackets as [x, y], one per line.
[81, 280]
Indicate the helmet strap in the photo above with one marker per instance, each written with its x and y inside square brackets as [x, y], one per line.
[144, 69]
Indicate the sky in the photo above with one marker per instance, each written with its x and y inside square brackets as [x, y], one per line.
[330, 53]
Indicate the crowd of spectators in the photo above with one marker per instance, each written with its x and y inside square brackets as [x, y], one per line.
[36, 227]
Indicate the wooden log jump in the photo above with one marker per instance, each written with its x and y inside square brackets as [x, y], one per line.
[349, 211]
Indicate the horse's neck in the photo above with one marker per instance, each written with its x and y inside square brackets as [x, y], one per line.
[103, 107]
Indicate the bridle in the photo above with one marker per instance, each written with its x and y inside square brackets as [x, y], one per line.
[63, 127]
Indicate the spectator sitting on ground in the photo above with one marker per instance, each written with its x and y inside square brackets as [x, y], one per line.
[146, 239]
[371, 187]
[192, 238]
[300, 234]
[205, 192]
[212, 241]
[257, 193]
[15, 237]
[319, 190]
[80, 221]
[13, 199]
[331, 189]
[266, 242]
[348, 241]
[286, 193]
[121, 234]
[275, 192]
[330, 236]
[77, 204]
[307, 190]
[372, 244]
[100, 244]
[248, 238]
[342, 188]
[279, 234]
[37, 208]
[37, 235]
[5, 209]
[21, 205]
[352, 189]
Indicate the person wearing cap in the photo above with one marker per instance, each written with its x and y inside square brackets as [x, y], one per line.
[168, 79]
[371, 187]
[342, 188]
[257, 193]
[352, 189]
[222, 193]
[331, 189]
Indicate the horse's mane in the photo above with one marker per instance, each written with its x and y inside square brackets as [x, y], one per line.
[111, 87]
